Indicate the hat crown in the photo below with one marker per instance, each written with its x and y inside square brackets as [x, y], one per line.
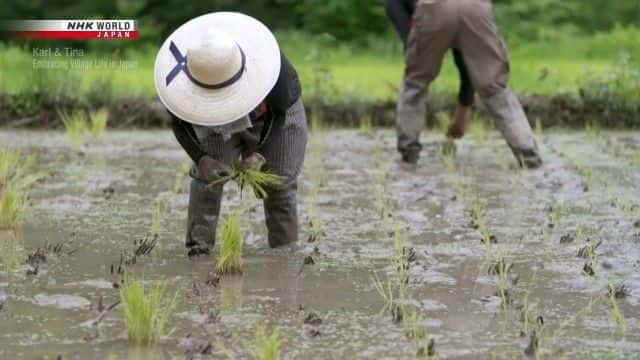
[216, 59]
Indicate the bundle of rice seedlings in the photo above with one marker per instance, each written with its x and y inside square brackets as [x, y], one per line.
[75, 125]
[267, 346]
[12, 203]
[256, 179]
[98, 120]
[146, 313]
[232, 239]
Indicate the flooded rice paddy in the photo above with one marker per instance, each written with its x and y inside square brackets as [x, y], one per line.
[558, 237]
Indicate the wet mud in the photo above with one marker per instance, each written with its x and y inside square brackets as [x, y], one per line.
[525, 294]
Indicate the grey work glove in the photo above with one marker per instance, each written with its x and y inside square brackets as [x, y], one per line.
[212, 170]
[255, 161]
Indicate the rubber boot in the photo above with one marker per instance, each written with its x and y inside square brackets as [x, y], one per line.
[204, 210]
[281, 213]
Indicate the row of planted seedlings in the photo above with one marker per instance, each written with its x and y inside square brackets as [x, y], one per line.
[394, 287]
[587, 240]
[497, 265]
[148, 310]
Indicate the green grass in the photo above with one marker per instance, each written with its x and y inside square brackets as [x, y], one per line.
[349, 69]
[75, 125]
[232, 240]
[268, 346]
[98, 121]
[146, 313]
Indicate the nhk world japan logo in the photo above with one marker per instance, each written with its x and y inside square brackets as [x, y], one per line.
[72, 29]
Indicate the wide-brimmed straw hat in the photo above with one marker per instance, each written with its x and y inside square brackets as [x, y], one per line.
[217, 68]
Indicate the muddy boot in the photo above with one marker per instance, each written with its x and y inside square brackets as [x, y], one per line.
[281, 213]
[204, 208]
[411, 154]
[512, 122]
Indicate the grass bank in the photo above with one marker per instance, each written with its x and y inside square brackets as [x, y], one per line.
[604, 66]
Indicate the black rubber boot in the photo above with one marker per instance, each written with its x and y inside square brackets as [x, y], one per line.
[281, 213]
[411, 153]
[204, 210]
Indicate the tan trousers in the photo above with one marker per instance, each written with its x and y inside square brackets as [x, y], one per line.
[470, 26]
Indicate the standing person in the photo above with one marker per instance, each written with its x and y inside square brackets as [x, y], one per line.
[470, 27]
[235, 100]
[400, 12]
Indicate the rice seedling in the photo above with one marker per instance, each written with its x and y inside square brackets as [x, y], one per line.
[400, 259]
[538, 128]
[185, 166]
[615, 309]
[366, 124]
[443, 120]
[587, 176]
[555, 215]
[232, 239]
[12, 204]
[479, 221]
[414, 323]
[387, 291]
[98, 120]
[156, 219]
[11, 251]
[146, 313]
[478, 129]
[593, 129]
[9, 160]
[502, 272]
[268, 346]
[75, 124]
[449, 154]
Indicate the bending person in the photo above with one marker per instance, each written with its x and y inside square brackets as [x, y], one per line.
[470, 27]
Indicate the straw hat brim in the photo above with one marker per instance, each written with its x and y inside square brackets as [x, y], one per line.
[212, 107]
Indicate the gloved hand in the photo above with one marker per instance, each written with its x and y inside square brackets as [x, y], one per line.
[255, 161]
[212, 170]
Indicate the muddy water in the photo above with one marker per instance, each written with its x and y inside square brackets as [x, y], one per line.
[97, 203]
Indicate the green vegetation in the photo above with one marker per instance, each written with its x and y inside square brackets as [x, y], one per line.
[185, 166]
[11, 251]
[575, 61]
[232, 239]
[268, 345]
[75, 125]
[16, 176]
[156, 219]
[146, 312]
[256, 179]
[12, 203]
[615, 309]
[9, 160]
[98, 120]
[478, 129]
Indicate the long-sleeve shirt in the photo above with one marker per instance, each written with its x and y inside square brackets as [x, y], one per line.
[284, 94]
[401, 12]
